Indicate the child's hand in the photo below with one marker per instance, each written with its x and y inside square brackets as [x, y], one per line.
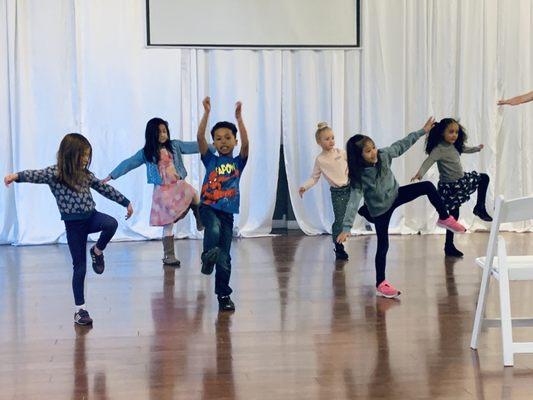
[342, 237]
[106, 179]
[238, 110]
[481, 146]
[129, 211]
[301, 191]
[428, 125]
[8, 179]
[416, 178]
[207, 104]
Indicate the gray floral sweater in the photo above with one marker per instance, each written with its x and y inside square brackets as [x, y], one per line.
[72, 204]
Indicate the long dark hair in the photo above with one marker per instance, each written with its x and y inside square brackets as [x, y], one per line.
[354, 154]
[70, 170]
[152, 145]
[436, 135]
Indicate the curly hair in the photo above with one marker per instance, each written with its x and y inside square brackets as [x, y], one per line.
[436, 135]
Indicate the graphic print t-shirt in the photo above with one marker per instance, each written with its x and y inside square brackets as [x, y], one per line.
[220, 189]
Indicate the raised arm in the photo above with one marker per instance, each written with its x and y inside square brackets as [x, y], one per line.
[202, 142]
[523, 98]
[242, 129]
[401, 146]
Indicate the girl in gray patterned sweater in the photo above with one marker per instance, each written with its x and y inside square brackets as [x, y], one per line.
[444, 146]
[70, 182]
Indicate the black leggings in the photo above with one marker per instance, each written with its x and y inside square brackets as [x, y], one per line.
[406, 194]
[480, 203]
[77, 232]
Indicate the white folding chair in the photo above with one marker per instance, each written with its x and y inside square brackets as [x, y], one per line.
[504, 268]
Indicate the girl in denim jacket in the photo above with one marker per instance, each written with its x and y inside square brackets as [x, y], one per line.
[172, 196]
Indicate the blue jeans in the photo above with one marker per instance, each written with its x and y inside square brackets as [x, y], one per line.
[218, 233]
[77, 232]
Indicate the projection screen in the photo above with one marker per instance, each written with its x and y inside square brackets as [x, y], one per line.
[253, 23]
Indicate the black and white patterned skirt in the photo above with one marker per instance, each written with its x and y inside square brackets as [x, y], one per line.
[455, 193]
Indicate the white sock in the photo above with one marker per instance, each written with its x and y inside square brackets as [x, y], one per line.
[168, 229]
[82, 307]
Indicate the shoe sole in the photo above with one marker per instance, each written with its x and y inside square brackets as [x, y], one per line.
[82, 323]
[453, 255]
[173, 263]
[379, 294]
[450, 229]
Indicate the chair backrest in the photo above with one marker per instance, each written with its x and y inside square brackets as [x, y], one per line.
[514, 210]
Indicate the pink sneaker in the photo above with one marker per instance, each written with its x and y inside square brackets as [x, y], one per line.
[451, 224]
[385, 289]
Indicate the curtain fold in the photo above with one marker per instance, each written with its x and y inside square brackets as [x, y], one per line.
[71, 66]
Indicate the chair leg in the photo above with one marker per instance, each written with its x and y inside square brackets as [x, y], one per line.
[480, 309]
[506, 321]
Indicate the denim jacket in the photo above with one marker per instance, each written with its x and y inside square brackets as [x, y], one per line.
[152, 173]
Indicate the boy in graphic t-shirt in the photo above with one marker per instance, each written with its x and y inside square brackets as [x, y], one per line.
[220, 197]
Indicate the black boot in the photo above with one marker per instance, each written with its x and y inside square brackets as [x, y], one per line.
[481, 212]
[451, 251]
[340, 253]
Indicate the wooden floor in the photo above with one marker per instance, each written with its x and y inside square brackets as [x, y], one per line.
[305, 327]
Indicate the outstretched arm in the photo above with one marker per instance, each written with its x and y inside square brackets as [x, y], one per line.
[523, 98]
[473, 149]
[202, 142]
[242, 130]
[401, 146]
[126, 166]
[10, 178]
[45, 175]
[428, 162]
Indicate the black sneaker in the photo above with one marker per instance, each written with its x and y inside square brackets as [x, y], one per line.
[340, 253]
[82, 317]
[209, 259]
[98, 261]
[481, 212]
[225, 304]
[451, 251]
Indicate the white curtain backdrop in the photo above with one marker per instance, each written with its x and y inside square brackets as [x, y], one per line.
[78, 66]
